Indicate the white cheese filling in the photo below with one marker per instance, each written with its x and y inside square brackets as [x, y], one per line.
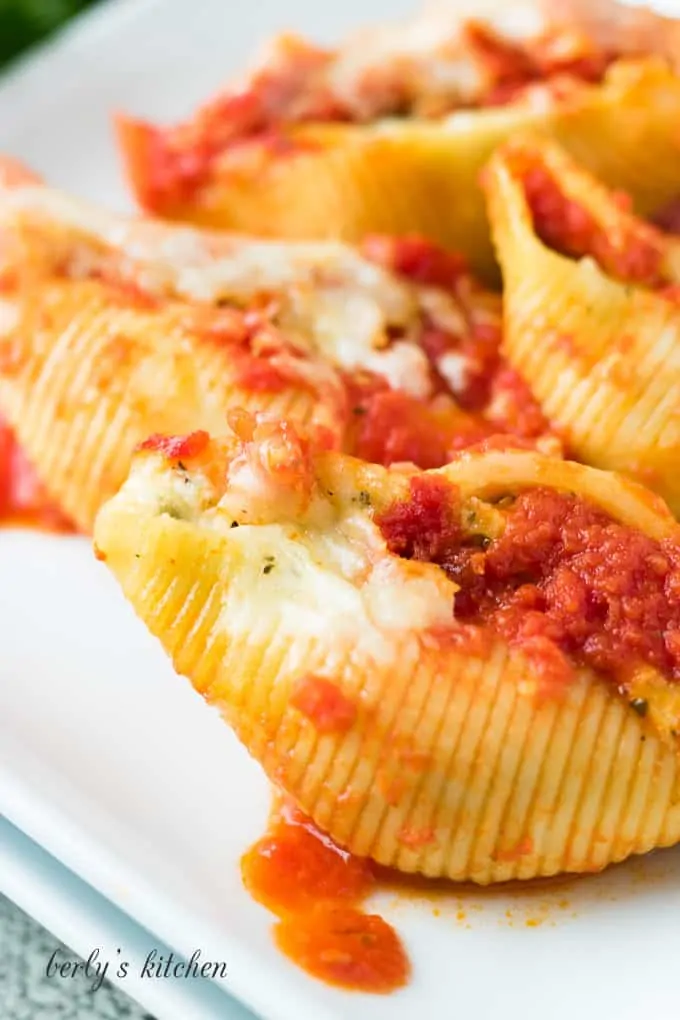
[329, 298]
[327, 572]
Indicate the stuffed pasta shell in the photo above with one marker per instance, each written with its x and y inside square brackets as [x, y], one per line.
[592, 312]
[114, 329]
[388, 131]
[469, 672]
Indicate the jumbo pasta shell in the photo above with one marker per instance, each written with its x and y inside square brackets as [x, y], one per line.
[90, 367]
[442, 760]
[114, 328]
[601, 355]
[402, 176]
[84, 381]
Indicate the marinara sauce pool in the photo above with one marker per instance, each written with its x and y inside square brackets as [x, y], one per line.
[23, 499]
[317, 889]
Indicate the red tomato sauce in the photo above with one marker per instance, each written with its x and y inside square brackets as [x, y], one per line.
[324, 704]
[391, 427]
[417, 259]
[496, 398]
[427, 526]
[489, 397]
[564, 582]
[316, 888]
[671, 293]
[262, 358]
[478, 348]
[668, 218]
[632, 253]
[168, 165]
[177, 447]
[512, 407]
[23, 500]
[560, 62]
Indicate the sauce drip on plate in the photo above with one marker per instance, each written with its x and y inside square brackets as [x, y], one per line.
[23, 500]
[317, 889]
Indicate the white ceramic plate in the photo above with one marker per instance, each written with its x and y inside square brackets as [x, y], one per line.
[83, 919]
[110, 762]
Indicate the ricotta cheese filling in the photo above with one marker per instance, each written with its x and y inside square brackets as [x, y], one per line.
[324, 568]
[325, 296]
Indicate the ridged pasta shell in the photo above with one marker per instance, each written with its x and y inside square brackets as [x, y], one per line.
[90, 368]
[602, 356]
[404, 176]
[85, 387]
[449, 765]
[113, 328]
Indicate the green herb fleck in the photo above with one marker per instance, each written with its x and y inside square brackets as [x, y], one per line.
[641, 706]
[364, 498]
[172, 509]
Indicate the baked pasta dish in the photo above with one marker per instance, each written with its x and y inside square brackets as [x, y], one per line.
[388, 131]
[414, 538]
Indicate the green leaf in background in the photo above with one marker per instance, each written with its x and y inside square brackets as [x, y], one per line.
[23, 22]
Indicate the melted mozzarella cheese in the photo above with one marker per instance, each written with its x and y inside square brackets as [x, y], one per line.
[329, 568]
[455, 368]
[428, 54]
[152, 485]
[324, 567]
[330, 298]
[328, 294]
[315, 583]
